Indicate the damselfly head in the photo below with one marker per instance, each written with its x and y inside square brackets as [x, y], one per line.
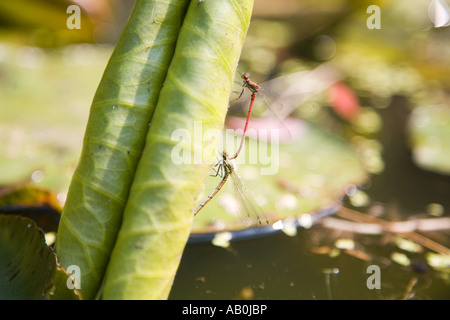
[225, 155]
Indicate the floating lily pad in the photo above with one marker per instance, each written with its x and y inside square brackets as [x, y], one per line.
[26, 263]
[34, 202]
[60, 289]
[45, 98]
[430, 138]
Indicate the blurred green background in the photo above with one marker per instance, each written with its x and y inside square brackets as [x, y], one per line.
[383, 123]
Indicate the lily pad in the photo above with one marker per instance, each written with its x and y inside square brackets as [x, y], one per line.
[298, 177]
[59, 290]
[430, 132]
[30, 201]
[26, 262]
[44, 110]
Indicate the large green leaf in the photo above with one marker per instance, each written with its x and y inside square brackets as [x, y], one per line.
[159, 212]
[118, 123]
[26, 263]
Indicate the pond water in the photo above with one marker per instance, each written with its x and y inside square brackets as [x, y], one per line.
[284, 267]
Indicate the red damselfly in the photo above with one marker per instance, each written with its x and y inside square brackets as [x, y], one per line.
[254, 89]
[282, 96]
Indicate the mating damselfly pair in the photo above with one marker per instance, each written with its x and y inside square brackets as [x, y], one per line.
[282, 96]
[250, 212]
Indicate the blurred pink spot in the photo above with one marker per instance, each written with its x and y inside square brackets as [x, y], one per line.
[343, 101]
[289, 130]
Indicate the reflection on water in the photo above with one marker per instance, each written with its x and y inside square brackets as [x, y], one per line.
[306, 266]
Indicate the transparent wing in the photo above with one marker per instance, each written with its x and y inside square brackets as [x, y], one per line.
[249, 210]
[282, 95]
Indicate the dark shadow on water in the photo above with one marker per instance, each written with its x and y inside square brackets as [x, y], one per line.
[403, 183]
